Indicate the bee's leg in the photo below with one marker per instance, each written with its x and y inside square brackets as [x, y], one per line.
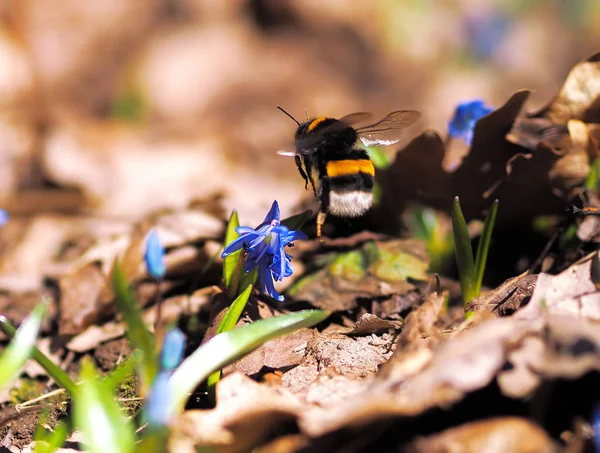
[301, 170]
[322, 215]
[309, 165]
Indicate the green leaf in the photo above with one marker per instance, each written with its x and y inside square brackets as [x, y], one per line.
[99, 417]
[483, 247]
[137, 333]
[591, 181]
[49, 441]
[228, 322]
[234, 312]
[227, 347]
[395, 267]
[230, 262]
[349, 265]
[53, 370]
[464, 252]
[21, 347]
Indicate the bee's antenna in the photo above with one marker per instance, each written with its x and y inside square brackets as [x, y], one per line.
[306, 113]
[280, 108]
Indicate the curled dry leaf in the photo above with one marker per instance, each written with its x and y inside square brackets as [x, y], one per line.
[496, 435]
[427, 378]
[246, 413]
[574, 291]
[578, 97]
[508, 297]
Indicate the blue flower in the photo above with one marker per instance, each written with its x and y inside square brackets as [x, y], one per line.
[159, 399]
[154, 256]
[265, 246]
[3, 217]
[465, 116]
[596, 425]
[172, 350]
[161, 392]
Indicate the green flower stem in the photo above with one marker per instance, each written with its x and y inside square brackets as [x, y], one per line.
[53, 370]
[237, 275]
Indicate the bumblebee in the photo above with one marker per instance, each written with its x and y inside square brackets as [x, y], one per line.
[341, 175]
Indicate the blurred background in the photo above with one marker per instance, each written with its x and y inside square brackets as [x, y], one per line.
[120, 108]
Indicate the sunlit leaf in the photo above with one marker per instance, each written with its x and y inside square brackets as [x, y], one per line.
[229, 346]
[137, 333]
[230, 262]
[21, 347]
[98, 416]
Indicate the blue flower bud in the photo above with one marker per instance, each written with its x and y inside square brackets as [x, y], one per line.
[172, 350]
[3, 217]
[158, 400]
[154, 256]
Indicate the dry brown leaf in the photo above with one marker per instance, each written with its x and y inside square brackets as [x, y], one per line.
[427, 378]
[578, 97]
[490, 169]
[336, 366]
[508, 297]
[496, 435]
[80, 302]
[246, 413]
[419, 327]
[172, 309]
[573, 291]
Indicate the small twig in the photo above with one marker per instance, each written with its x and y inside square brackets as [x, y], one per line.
[28, 403]
[538, 262]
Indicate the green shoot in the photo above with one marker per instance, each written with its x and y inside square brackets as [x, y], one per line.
[53, 370]
[425, 224]
[230, 262]
[21, 347]
[227, 347]
[471, 270]
[137, 332]
[591, 182]
[98, 416]
[228, 322]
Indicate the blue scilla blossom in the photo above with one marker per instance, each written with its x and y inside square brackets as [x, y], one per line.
[172, 350]
[596, 426]
[159, 399]
[154, 255]
[265, 246]
[465, 116]
[3, 217]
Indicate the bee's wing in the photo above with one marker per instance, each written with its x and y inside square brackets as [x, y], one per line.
[387, 131]
[356, 118]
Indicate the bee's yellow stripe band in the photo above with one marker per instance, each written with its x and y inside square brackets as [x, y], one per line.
[315, 123]
[349, 167]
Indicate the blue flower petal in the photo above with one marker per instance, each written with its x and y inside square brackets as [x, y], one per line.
[154, 255]
[465, 117]
[3, 217]
[273, 213]
[267, 285]
[237, 244]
